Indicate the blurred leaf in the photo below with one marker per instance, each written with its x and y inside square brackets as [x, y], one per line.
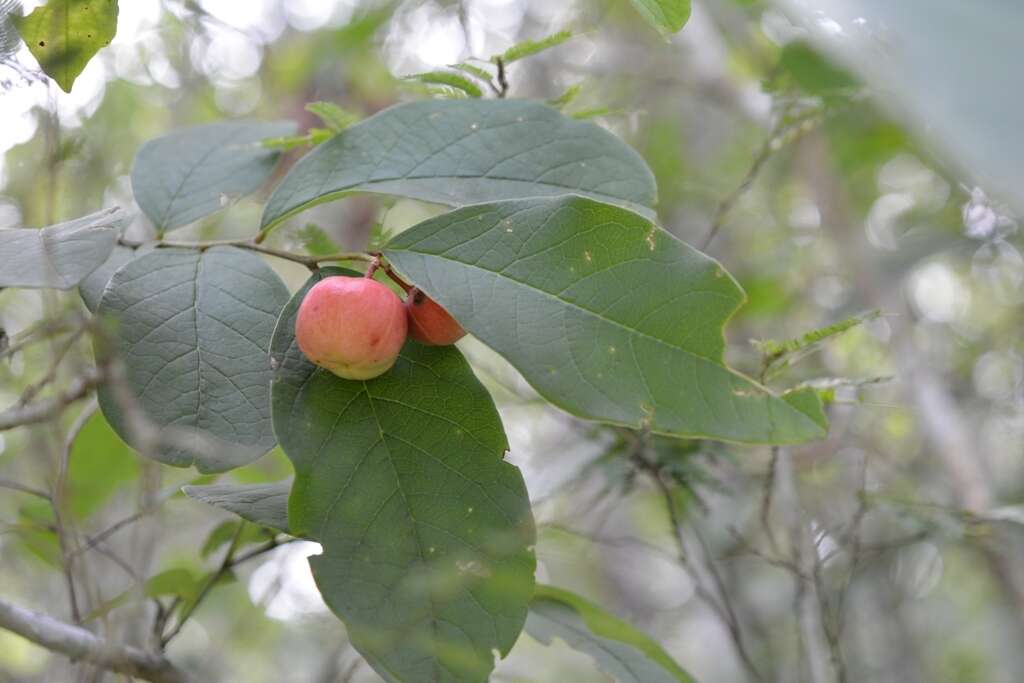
[59, 256]
[379, 237]
[194, 329]
[483, 74]
[263, 504]
[196, 171]
[811, 72]
[614, 319]
[426, 530]
[9, 38]
[63, 35]
[312, 138]
[668, 16]
[941, 65]
[333, 116]
[316, 241]
[621, 650]
[450, 79]
[100, 464]
[225, 532]
[528, 48]
[566, 97]
[465, 152]
[779, 355]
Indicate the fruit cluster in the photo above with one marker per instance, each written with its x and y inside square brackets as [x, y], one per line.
[356, 326]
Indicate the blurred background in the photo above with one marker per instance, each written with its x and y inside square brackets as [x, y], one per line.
[843, 159]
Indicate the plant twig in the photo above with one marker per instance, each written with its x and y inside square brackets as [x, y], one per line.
[311, 262]
[79, 644]
[41, 411]
[15, 486]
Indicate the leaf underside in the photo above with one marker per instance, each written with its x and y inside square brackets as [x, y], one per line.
[194, 329]
[605, 314]
[196, 171]
[426, 530]
[263, 504]
[458, 152]
[63, 35]
[58, 256]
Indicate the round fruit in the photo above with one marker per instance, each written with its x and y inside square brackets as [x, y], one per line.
[352, 326]
[429, 323]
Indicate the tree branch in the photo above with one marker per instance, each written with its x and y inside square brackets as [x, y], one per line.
[41, 411]
[77, 643]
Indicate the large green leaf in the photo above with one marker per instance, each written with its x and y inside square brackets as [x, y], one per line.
[604, 313]
[620, 649]
[63, 35]
[263, 504]
[426, 530]
[668, 16]
[459, 152]
[944, 66]
[194, 329]
[61, 255]
[99, 466]
[193, 172]
[92, 286]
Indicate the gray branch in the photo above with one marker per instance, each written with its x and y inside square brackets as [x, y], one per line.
[79, 644]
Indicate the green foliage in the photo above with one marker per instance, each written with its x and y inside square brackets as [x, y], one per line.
[426, 531]
[621, 650]
[231, 532]
[262, 504]
[316, 241]
[333, 116]
[100, 465]
[615, 319]
[668, 16]
[59, 256]
[812, 73]
[463, 152]
[528, 48]
[780, 355]
[194, 329]
[567, 97]
[63, 35]
[449, 79]
[196, 171]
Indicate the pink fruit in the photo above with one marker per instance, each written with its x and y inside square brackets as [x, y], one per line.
[352, 326]
[429, 323]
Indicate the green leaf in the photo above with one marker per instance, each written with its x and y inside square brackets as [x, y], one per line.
[450, 79]
[225, 533]
[263, 504]
[195, 171]
[63, 35]
[427, 532]
[528, 48]
[566, 98]
[91, 288]
[194, 329]
[316, 241]
[473, 70]
[621, 650]
[463, 152]
[333, 116]
[605, 314]
[61, 255]
[668, 16]
[100, 465]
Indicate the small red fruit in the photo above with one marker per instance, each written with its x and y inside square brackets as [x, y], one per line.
[352, 326]
[429, 323]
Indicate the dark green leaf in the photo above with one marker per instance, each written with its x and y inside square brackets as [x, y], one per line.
[263, 504]
[194, 329]
[193, 172]
[226, 532]
[91, 288]
[668, 16]
[621, 650]
[426, 531]
[61, 255]
[463, 152]
[528, 48]
[450, 79]
[63, 35]
[605, 314]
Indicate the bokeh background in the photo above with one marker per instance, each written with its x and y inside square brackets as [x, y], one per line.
[853, 159]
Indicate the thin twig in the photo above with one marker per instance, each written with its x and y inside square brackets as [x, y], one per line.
[15, 486]
[310, 262]
[41, 411]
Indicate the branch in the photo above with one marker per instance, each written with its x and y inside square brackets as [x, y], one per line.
[310, 262]
[77, 643]
[41, 411]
